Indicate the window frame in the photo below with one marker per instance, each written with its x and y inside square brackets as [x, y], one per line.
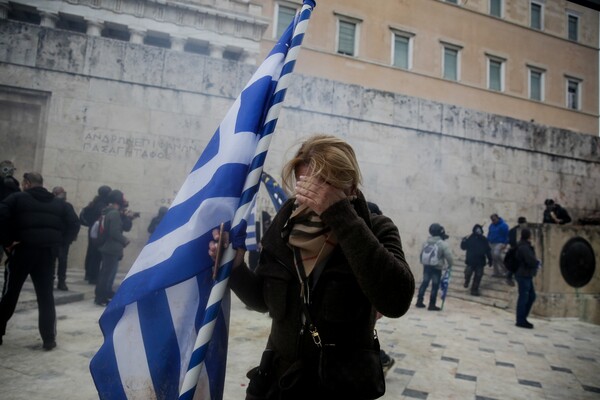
[570, 15]
[531, 70]
[541, 5]
[578, 82]
[278, 5]
[501, 4]
[458, 49]
[356, 22]
[406, 35]
[489, 59]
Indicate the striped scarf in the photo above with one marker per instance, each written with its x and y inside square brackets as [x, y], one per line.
[315, 240]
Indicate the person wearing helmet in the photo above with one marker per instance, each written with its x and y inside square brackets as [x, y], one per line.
[8, 183]
[435, 254]
[478, 250]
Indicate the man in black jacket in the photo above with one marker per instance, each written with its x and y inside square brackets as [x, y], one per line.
[88, 216]
[478, 249]
[527, 266]
[555, 213]
[34, 224]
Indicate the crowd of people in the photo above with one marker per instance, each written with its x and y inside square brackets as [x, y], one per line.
[508, 251]
[37, 227]
[330, 265]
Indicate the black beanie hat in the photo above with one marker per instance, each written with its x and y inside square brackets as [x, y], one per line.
[116, 197]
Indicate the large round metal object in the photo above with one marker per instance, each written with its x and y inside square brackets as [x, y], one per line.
[577, 262]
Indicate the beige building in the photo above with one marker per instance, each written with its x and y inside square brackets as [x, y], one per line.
[533, 60]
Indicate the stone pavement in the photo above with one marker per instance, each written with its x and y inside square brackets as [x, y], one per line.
[467, 351]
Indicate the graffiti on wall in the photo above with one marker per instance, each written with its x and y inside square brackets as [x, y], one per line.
[146, 146]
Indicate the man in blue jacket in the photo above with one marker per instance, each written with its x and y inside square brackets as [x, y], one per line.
[498, 238]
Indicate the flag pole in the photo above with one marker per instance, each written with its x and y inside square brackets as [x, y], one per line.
[219, 288]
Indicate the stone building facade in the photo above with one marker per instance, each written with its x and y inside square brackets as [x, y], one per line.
[87, 110]
[526, 59]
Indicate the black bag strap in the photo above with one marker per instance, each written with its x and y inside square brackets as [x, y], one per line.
[305, 293]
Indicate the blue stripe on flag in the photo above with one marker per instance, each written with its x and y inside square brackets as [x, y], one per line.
[156, 322]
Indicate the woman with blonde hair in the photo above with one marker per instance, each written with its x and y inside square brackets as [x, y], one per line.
[326, 267]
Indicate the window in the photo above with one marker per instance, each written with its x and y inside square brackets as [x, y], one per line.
[450, 63]
[573, 27]
[347, 33]
[284, 17]
[452, 1]
[496, 8]
[115, 31]
[157, 39]
[495, 74]
[536, 16]
[536, 84]
[402, 50]
[71, 23]
[573, 93]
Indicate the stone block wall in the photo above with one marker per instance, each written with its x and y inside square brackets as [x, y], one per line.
[137, 118]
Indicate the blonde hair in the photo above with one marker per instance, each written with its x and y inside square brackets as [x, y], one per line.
[329, 158]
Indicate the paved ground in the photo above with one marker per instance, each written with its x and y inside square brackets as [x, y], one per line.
[467, 351]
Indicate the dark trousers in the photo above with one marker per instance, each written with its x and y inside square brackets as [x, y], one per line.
[38, 263]
[477, 274]
[93, 259]
[526, 297]
[63, 255]
[106, 277]
[430, 274]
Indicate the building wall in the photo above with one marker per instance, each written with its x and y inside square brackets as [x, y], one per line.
[137, 118]
[479, 34]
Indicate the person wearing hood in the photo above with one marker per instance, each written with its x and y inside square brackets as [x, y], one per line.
[113, 223]
[498, 238]
[33, 225]
[478, 250]
[162, 211]
[435, 254]
[88, 216]
[8, 183]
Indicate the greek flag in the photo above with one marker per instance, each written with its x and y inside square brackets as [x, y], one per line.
[158, 327]
[276, 192]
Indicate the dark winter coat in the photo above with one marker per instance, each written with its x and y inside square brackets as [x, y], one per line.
[527, 262]
[8, 186]
[90, 213]
[114, 225]
[35, 217]
[478, 249]
[560, 213]
[367, 271]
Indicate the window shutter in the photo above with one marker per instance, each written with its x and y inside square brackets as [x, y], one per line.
[450, 64]
[401, 51]
[285, 16]
[346, 38]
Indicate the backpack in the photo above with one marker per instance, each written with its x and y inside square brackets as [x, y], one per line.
[429, 254]
[98, 232]
[510, 260]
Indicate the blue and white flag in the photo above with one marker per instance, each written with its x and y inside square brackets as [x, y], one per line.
[158, 327]
[251, 234]
[276, 192]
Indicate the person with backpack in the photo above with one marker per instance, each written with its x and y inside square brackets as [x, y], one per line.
[435, 254]
[88, 216]
[478, 250]
[111, 242]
